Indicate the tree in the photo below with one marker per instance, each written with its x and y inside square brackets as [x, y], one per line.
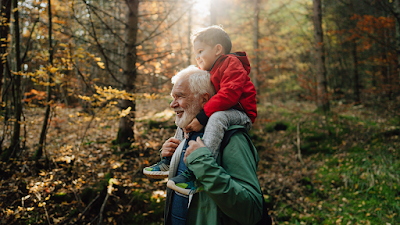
[214, 12]
[125, 131]
[15, 139]
[255, 43]
[397, 17]
[5, 6]
[322, 97]
[47, 113]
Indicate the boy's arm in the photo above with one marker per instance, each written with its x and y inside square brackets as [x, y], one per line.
[231, 88]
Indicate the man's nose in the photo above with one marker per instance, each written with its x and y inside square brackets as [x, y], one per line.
[173, 104]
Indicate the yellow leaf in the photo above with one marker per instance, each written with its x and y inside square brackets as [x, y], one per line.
[9, 212]
[101, 65]
[125, 112]
[53, 70]
[98, 59]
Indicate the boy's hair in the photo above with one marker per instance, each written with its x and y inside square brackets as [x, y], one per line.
[212, 36]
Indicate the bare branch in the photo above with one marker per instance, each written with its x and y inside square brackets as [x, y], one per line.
[29, 40]
[102, 51]
[153, 34]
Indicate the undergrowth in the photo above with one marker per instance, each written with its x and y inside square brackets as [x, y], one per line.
[354, 169]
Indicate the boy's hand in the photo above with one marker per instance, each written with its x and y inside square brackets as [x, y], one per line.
[193, 126]
[169, 147]
[193, 146]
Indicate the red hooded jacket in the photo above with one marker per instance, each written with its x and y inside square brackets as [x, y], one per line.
[230, 77]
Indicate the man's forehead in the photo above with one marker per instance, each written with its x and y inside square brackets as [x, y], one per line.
[181, 87]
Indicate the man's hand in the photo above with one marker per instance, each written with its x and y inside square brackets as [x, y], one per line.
[193, 126]
[169, 147]
[193, 146]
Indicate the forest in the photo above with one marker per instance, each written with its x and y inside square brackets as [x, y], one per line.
[85, 93]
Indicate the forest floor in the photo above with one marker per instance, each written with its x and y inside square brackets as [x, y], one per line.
[348, 172]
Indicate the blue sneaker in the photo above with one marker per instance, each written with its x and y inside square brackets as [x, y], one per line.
[184, 183]
[159, 170]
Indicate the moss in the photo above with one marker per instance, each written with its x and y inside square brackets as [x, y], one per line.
[62, 197]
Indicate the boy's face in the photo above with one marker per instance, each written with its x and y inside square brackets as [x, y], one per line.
[206, 54]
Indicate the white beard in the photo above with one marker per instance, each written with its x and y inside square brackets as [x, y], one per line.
[188, 115]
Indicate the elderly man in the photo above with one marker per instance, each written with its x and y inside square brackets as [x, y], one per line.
[231, 191]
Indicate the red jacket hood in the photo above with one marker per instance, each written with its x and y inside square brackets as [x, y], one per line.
[242, 56]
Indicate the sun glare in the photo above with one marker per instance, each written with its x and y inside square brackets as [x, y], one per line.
[202, 8]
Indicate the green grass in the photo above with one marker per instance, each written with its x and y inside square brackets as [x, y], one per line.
[358, 182]
[361, 187]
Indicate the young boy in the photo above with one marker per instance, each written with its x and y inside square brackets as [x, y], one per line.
[234, 103]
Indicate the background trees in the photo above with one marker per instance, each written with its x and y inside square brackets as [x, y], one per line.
[136, 46]
[103, 59]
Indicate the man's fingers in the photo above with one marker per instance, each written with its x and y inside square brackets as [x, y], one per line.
[172, 144]
[175, 140]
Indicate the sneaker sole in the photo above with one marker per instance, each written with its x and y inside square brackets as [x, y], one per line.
[156, 175]
[171, 184]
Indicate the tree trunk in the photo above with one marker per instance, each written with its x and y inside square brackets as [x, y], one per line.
[356, 76]
[322, 97]
[396, 4]
[189, 50]
[15, 142]
[125, 132]
[213, 12]
[4, 30]
[256, 70]
[39, 151]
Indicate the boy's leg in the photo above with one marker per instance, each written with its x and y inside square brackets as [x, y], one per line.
[160, 170]
[218, 123]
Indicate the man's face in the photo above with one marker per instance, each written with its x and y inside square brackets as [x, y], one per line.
[205, 54]
[185, 104]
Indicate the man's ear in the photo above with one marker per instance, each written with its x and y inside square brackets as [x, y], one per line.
[219, 50]
[204, 99]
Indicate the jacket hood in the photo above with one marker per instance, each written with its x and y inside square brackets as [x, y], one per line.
[242, 56]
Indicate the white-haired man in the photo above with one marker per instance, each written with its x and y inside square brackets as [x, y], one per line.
[231, 191]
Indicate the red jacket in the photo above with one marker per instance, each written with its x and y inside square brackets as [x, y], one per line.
[230, 77]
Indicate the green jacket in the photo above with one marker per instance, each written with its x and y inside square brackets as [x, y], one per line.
[232, 193]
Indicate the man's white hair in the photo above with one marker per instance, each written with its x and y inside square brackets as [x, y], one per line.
[199, 80]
